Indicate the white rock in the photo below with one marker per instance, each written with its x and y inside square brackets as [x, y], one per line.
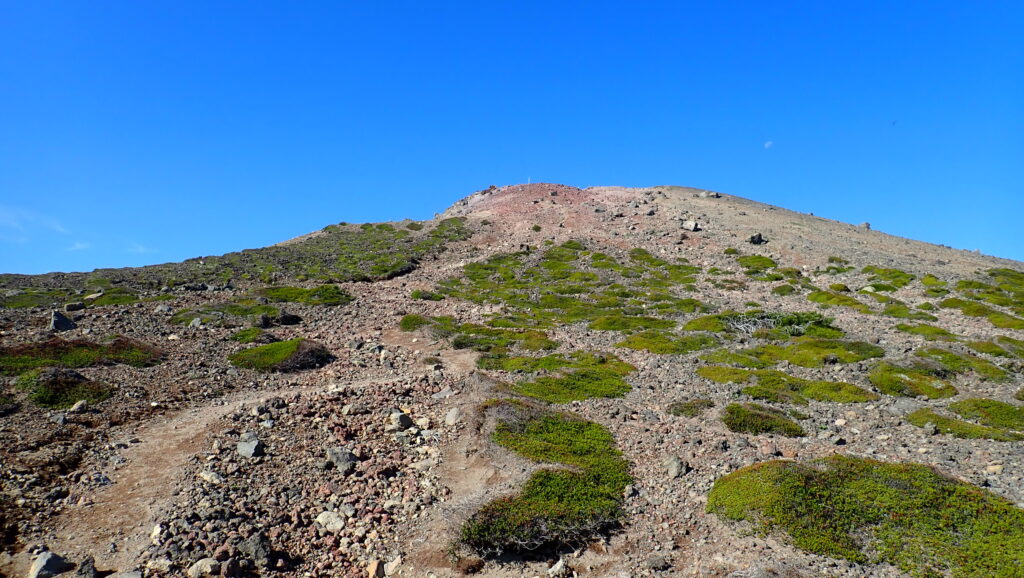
[331, 521]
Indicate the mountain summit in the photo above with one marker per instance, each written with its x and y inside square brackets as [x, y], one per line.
[542, 380]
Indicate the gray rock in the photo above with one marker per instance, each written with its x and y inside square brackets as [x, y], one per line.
[249, 446]
[331, 521]
[196, 322]
[204, 567]
[709, 195]
[757, 239]
[658, 563]
[87, 569]
[401, 420]
[255, 548]
[130, 574]
[453, 416]
[48, 564]
[675, 467]
[691, 226]
[163, 308]
[81, 406]
[344, 461]
[902, 406]
[60, 322]
[76, 306]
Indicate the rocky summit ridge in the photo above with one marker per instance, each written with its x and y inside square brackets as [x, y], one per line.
[540, 381]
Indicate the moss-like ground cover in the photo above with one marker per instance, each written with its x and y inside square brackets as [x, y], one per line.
[929, 332]
[962, 363]
[909, 381]
[331, 295]
[780, 387]
[758, 419]
[767, 324]
[557, 507]
[76, 353]
[60, 388]
[802, 351]
[690, 407]
[991, 413]
[975, 309]
[959, 428]
[283, 356]
[583, 375]
[832, 298]
[665, 343]
[225, 313]
[867, 511]
[892, 277]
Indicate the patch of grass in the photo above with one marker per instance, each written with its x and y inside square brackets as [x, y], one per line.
[815, 352]
[722, 374]
[756, 265]
[900, 310]
[957, 363]
[426, 295]
[838, 300]
[76, 353]
[779, 387]
[690, 408]
[664, 343]
[60, 388]
[627, 323]
[783, 290]
[768, 325]
[323, 295]
[283, 356]
[414, 226]
[909, 382]
[412, 322]
[836, 266]
[732, 251]
[974, 309]
[930, 280]
[556, 508]
[867, 511]
[114, 296]
[929, 332]
[839, 288]
[248, 335]
[757, 419]
[959, 428]
[591, 375]
[991, 413]
[892, 277]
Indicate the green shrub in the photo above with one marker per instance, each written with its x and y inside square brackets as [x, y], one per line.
[902, 311]
[929, 332]
[664, 343]
[556, 508]
[991, 413]
[756, 264]
[426, 295]
[60, 388]
[784, 290]
[959, 428]
[535, 228]
[866, 511]
[283, 356]
[76, 353]
[412, 322]
[891, 277]
[248, 335]
[956, 363]
[757, 419]
[732, 251]
[837, 299]
[690, 408]
[908, 381]
[628, 323]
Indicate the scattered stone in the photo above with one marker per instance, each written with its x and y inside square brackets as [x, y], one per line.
[691, 226]
[76, 306]
[452, 417]
[48, 564]
[676, 467]
[87, 569]
[60, 322]
[331, 521]
[249, 446]
[391, 568]
[375, 569]
[342, 459]
[196, 322]
[81, 406]
[204, 567]
[558, 570]
[757, 239]
[658, 563]
[211, 477]
[400, 420]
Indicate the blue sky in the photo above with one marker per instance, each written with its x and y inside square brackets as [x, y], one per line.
[145, 132]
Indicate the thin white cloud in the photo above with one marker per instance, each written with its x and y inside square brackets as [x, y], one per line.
[135, 247]
[79, 246]
[17, 224]
[768, 144]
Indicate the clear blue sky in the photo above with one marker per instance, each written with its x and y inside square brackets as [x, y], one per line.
[144, 132]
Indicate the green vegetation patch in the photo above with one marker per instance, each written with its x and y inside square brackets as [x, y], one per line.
[929, 332]
[991, 413]
[225, 313]
[557, 507]
[959, 428]
[584, 375]
[283, 356]
[767, 324]
[780, 387]
[810, 352]
[487, 339]
[412, 322]
[690, 407]
[628, 324]
[76, 353]
[60, 387]
[901, 310]
[868, 512]
[331, 295]
[784, 290]
[892, 277]
[114, 296]
[974, 309]
[832, 298]
[756, 265]
[426, 295]
[252, 335]
[962, 363]
[664, 343]
[758, 419]
[909, 382]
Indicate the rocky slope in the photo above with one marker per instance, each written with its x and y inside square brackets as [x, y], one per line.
[372, 461]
